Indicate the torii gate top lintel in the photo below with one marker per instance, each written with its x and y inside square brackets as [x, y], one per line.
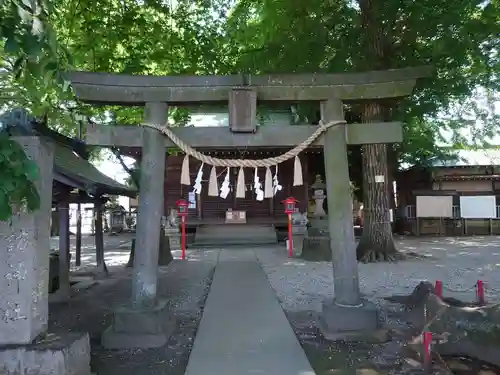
[107, 88]
[242, 92]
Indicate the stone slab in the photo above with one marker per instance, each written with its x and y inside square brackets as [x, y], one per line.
[346, 323]
[67, 354]
[139, 328]
[244, 329]
[143, 320]
[24, 257]
[113, 340]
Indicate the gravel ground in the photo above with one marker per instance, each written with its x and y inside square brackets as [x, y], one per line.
[301, 287]
[184, 283]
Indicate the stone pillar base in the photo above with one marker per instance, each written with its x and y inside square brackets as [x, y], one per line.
[139, 328]
[67, 354]
[298, 244]
[339, 323]
[317, 248]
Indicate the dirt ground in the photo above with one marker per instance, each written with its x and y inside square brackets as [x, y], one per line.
[184, 284]
[300, 287]
[456, 261]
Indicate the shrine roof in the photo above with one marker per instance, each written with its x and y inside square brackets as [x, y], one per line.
[471, 158]
[71, 165]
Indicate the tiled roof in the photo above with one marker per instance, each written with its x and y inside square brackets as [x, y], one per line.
[466, 158]
[68, 163]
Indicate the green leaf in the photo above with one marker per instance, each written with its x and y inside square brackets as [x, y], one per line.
[11, 45]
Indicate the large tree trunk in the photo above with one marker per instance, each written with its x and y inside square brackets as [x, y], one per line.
[376, 240]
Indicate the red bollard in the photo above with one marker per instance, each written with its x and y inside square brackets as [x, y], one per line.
[183, 237]
[427, 350]
[439, 288]
[480, 292]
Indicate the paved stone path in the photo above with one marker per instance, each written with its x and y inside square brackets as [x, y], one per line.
[244, 329]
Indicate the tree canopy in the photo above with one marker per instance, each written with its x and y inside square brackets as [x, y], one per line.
[43, 38]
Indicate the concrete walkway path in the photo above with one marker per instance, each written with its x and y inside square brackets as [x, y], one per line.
[244, 329]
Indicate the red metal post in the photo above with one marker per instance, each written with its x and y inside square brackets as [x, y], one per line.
[480, 292]
[183, 237]
[290, 236]
[439, 288]
[427, 350]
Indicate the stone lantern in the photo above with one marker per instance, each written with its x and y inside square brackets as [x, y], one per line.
[319, 196]
[317, 243]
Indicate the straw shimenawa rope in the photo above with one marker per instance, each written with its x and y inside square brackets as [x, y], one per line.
[235, 163]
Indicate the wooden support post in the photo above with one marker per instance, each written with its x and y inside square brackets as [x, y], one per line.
[145, 275]
[99, 239]
[338, 191]
[63, 291]
[78, 244]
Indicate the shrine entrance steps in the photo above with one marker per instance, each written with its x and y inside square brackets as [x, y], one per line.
[243, 330]
[220, 235]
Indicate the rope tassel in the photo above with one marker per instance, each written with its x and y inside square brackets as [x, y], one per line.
[213, 186]
[268, 184]
[240, 185]
[297, 172]
[185, 171]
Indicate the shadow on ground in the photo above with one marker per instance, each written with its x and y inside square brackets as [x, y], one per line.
[184, 284]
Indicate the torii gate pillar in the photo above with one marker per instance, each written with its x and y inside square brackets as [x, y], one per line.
[145, 322]
[347, 315]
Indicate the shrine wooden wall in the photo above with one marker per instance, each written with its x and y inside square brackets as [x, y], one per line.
[215, 207]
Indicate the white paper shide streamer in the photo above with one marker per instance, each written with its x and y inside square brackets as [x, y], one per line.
[224, 190]
[259, 193]
[271, 183]
[197, 182]
[276, 185]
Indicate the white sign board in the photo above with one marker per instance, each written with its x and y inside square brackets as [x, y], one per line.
[478, 207]
[434, 206]
[192, 199]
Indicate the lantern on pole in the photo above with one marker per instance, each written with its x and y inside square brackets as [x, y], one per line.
[290, 203]
[182, 211]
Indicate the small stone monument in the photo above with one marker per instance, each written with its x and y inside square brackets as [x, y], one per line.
[171, 229]
[25, 345]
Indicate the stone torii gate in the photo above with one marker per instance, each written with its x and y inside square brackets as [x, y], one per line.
[142, 323]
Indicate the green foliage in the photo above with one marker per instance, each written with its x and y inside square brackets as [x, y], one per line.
[41, 38]
[28, 63]
[18, 175]
[460, 39]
